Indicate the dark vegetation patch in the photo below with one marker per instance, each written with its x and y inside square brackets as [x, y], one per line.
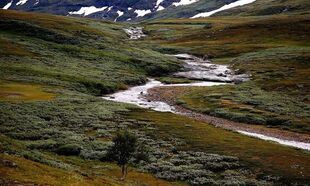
[174, 80]
[27, 29]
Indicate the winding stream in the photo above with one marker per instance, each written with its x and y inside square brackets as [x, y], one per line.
[197, 69]
[136, 95]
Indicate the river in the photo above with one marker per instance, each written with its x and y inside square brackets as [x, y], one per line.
[195, 68]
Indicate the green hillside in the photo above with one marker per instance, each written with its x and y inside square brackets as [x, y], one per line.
[55, 129]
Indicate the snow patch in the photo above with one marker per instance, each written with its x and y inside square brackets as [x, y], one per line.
[141, 13]
[85, 11]
[160, 8]
[21, 2]
[7, 6]
[225, 7]
[185, 2]
[296, 144]
[110, 8]
[158, 2]
[120, 14]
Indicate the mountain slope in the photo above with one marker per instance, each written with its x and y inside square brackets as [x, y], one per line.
[119, 10]
[269, 7]
[136, 10]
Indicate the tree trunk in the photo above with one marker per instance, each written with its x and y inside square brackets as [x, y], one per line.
[124, 172]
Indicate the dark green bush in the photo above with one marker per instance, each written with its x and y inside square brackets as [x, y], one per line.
[274, 121]
[69, 150]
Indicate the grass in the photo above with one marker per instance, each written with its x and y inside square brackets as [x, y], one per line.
[35, 148]
[85, 55]
[23, 92]
[13, 49]
[264, 156]
[25, 171]
[174, 80]
[249, 105]
[216, 41]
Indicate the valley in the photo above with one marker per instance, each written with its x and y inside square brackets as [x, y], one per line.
[198, 94]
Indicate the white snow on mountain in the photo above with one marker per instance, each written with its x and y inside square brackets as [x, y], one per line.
[87, 10]
[141, 13]
[7, 6]
[225, 7]
[120, 13]
[185, 2]
[21, 2]
[160, 8]
[158, 2]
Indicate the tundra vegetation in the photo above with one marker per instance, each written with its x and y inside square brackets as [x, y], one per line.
[56, 130]
[271, 49]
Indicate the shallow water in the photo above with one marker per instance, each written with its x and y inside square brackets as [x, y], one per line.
[136, 95]
[296, 144]
[135, 32]
[195, 68]
[202, 69]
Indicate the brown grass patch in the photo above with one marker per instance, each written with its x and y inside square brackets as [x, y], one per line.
[11, 91]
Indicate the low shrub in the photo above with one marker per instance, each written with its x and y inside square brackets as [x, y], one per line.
[69, 150]
[274, 121]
